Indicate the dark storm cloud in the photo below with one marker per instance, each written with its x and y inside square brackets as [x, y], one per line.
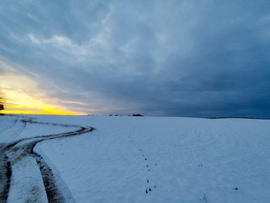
[178, 58]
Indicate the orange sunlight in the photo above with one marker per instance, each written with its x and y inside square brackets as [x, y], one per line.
[17, 93]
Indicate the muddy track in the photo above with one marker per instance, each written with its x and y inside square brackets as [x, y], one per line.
[5, 175]
[12, 153]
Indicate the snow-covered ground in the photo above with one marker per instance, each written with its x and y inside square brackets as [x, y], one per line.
[134, 159]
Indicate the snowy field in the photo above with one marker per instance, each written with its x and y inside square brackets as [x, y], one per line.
[134, 159]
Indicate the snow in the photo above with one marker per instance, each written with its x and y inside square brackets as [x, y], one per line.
[30, 178]
[141, 159]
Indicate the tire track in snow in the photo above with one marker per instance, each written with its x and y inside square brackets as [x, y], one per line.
[18, 150]
[14, 128]
[5, 175]
[11, 125]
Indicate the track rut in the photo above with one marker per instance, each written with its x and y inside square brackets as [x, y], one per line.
[19, 151]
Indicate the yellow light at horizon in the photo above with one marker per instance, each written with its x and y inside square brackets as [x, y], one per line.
[42, 112]
[25, 104]
[18, 91]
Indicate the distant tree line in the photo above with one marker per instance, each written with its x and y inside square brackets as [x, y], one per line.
[135, 114]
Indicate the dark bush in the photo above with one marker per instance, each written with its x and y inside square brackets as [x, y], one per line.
[136, 114]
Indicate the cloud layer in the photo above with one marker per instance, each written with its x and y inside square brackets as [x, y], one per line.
[169, 58]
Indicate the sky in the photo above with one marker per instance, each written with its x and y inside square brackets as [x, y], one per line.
[191, 58]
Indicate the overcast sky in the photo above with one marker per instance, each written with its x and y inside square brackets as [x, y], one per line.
[200, 58]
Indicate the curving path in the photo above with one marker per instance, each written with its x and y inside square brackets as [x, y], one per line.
[43, 187]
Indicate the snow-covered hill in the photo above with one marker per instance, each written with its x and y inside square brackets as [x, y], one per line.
[134, 159]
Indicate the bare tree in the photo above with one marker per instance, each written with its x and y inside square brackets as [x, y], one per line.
[2, 100]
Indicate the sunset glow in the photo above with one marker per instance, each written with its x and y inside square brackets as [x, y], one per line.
[22, 96]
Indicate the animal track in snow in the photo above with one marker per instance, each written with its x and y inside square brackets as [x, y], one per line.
[149, 186]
